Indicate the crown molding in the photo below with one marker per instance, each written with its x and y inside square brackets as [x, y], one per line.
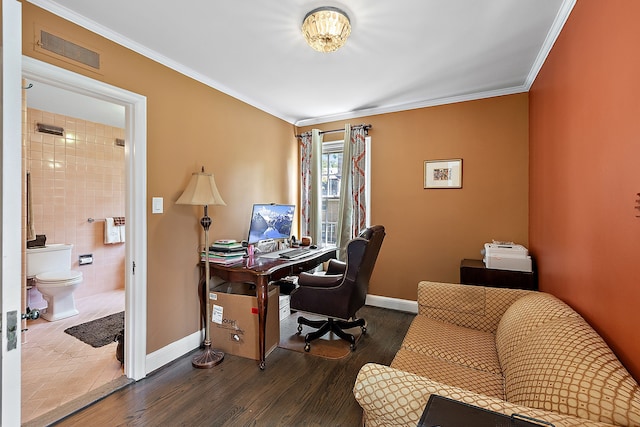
[410, 106]
[552, 36]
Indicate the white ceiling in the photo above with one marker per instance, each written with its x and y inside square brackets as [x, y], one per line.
[401, 54]
[55, 100]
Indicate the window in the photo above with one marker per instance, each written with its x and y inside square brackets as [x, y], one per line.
[331, 175]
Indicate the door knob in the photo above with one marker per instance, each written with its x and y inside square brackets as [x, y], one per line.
[31, 314]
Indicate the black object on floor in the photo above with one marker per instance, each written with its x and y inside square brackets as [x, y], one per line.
[442, 411]
[99, 332]
[119, 338]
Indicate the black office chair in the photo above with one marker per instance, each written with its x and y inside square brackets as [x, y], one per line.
[340, 292]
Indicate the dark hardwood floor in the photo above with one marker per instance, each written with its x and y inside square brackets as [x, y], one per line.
[295, 389]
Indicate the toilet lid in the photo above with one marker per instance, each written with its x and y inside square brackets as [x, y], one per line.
[59, 276]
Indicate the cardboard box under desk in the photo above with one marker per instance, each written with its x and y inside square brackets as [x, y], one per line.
[234, 329]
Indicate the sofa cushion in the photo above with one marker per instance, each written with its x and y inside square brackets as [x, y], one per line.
[565, 366]
[452, 343]
[469, 300]
[445, 372]
[523, 316]
[475, 307]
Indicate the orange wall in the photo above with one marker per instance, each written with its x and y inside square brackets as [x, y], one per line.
[584, 120]
[430, 231]
[189, 125]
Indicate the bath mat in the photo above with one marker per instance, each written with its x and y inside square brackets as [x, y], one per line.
[329, 346]
[99, 332]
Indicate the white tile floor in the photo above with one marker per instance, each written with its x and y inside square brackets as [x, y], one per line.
[57, 368]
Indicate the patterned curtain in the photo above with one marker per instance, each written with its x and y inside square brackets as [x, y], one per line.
[353, 208]
[358, 180]
[311, 185]
[345, 209]
[305, 183]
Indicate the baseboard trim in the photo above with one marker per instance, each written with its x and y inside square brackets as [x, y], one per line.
[173, 351]
[179, 348]
[392, 303]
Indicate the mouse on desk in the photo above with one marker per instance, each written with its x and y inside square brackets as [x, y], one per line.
[313, 247]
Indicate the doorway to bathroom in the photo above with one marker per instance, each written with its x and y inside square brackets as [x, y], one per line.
[130, 268]
[75, 180]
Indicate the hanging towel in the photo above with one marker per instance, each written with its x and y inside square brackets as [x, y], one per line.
[31, 230]
[111, 232]
[118, 221]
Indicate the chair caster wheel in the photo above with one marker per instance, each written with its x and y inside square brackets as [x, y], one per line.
[364, 330]
[307, 347]
[352, 347]
[299, 329]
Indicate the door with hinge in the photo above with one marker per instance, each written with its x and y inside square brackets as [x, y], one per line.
[10, 212]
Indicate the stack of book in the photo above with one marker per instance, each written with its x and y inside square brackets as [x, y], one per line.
[226, 246]
[225, 252]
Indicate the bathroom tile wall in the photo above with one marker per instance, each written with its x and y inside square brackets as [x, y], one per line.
[74, 177]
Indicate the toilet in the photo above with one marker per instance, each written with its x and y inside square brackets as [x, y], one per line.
[50, 267]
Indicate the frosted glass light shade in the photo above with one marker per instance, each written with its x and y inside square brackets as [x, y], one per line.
[201, 191]
[326, 29]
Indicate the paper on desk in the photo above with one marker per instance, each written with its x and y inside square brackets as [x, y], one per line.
[216, 315]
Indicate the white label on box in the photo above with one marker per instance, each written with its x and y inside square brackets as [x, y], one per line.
[216, 316]
[213, 296]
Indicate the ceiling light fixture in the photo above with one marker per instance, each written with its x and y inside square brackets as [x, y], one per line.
[326, 28]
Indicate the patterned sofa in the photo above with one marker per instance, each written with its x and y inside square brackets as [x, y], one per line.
[507, 350]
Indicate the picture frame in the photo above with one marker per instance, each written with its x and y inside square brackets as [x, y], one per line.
[443, 173]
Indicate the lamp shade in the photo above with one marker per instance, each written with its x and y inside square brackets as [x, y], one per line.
[201, 191]
[326, 29]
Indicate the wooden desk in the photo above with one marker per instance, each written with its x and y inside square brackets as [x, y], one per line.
[261, 271]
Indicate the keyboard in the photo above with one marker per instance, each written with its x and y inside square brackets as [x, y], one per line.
[294, 253]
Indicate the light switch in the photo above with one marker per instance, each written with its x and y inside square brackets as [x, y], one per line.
[157, 205]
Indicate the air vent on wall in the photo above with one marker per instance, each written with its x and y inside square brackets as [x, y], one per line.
[120, 142]
[50, 129]
[69, 50]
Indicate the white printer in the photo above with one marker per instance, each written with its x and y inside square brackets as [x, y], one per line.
[506, 256]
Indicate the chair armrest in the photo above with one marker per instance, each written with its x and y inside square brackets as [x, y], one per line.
[477, 307]
[318, 297]
[319, 280]
[336, 267]
[391, 397]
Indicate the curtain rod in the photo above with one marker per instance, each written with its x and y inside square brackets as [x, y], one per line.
[366, 129]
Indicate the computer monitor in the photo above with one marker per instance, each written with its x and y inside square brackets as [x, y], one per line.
[270, 221]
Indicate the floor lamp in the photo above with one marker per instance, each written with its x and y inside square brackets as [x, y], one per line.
[202, 191]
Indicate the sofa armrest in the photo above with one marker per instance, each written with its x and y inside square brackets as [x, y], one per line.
[477, 307]
[390, 397]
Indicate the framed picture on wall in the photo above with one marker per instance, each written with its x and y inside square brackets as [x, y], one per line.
[443, 173]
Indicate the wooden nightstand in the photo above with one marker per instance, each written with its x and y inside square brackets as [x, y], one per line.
[474, 272]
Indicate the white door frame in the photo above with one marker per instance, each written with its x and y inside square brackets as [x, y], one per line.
[136, 198]
[11, 212]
